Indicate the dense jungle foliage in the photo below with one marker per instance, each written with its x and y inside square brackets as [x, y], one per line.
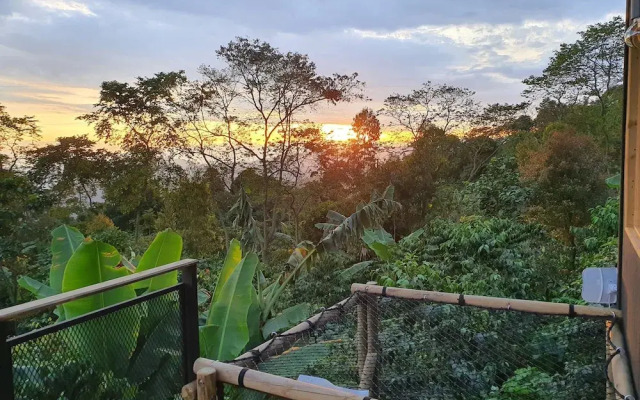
[510, 200]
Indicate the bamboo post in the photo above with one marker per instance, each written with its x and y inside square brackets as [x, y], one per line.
[610, 393]
[369, 375]
[619, 371]
[272, 384]
[361, 333]
[206, 378]
[190, 391]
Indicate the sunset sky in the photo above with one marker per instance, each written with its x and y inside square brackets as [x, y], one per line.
[55, 53]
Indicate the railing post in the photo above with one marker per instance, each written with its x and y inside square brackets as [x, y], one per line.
[207, 383]
[610, 393]
[369, 379]
[6, 363]
[189, 309]
[361, 332]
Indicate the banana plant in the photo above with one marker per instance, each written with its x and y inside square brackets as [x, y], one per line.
[337, 231]
[144, 350]
[236, 320]
[65, 240]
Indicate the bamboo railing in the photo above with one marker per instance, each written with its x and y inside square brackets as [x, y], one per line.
[211, 372]
[619, 372]
[492, 303]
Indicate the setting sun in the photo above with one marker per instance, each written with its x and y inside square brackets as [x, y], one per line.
[338, 132]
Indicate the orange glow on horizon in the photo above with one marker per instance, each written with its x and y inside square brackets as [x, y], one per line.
[338, 132]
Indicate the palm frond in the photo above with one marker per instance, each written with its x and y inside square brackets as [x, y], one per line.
[367, 216]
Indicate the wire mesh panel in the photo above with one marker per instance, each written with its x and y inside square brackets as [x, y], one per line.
[129, 351]
[422, 350]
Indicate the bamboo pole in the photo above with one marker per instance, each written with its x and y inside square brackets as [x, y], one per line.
[494, 303]
[189, 391]
[206, 381]
[369, 376]
[283, 342]
[619, 371]
[610, 393]
[273, 384]
[361, 333]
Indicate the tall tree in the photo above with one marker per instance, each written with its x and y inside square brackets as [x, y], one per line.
[342, 165]
[586, 72]
[493, 128]
[71, 168]
[14, 133]
[211, 126]
[274, 89]
[138, 116]
[443, 106]
[585, 69]
[566, 173]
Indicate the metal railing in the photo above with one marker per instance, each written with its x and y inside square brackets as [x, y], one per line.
[127, 350]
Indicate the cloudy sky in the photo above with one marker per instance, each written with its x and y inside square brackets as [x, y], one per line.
[55, 53]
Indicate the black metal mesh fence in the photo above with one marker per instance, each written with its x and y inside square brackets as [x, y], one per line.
[123, 352]
[424, 350]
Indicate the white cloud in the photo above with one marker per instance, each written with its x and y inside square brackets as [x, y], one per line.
[65, 7]
[526, 43]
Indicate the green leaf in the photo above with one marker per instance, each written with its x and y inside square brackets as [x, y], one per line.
[40, 290]
[203, 297]
[380, 241]
[65, 241]
[37, 288]
[614, 182]
[253, 321]
[156, 344]
[299, 254]
[269, 290]
[165, 249]
[128, 265]
[227, 332]
[286, 318]
[232, 259]
[94, 262]
[413, 236]
[354, 269]
[367, 216]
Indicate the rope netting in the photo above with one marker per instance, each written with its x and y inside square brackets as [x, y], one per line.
[391, 348]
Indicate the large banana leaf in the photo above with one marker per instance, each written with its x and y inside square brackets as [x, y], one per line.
[227, 331]
[286, 318]
[354, 269]
[253, 320]
[380, 241]
[37, 288]
[94, 262]
[156, 355]
[165, 248]
[64, 243]
[339, 229]
[107, 341]
[232, 259]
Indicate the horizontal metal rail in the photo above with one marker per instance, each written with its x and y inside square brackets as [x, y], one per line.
[271, 384]
[35, 306]
[493, 303]
[49, 329]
